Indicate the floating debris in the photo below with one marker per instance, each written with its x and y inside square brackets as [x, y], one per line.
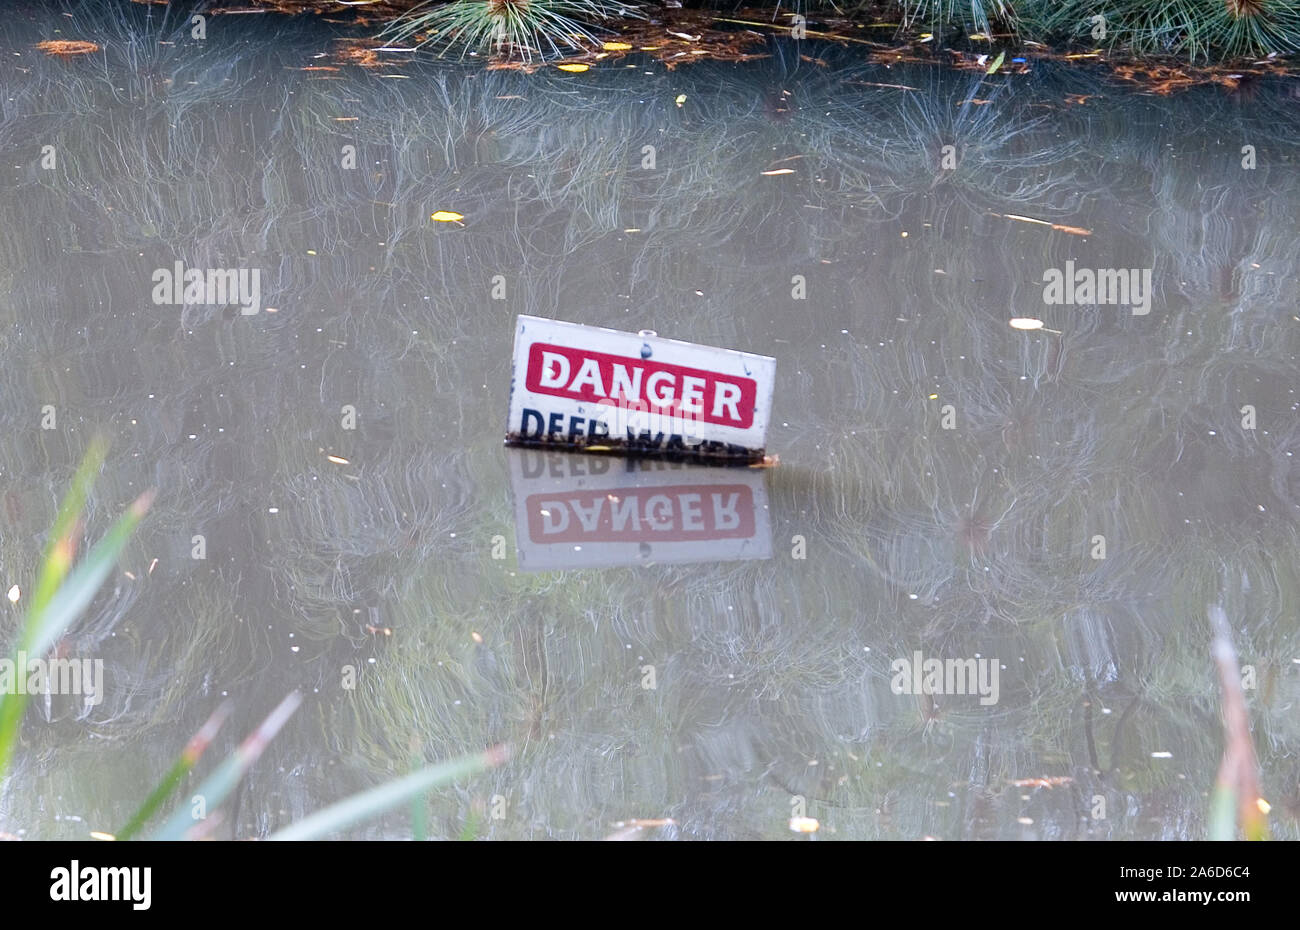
[1060, 227]
[635, 829]
[1048, 781]
[804, 824]
[66, 48]
[710, 39]
[1026, 322]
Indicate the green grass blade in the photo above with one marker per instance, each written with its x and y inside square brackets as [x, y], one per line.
[419, 807]
[44, 627]
[376, 801]
[217, 786]
[62, 544]
[470, 831]
[188, 758]
[419, 819]
[1223, 814]
[51, 615]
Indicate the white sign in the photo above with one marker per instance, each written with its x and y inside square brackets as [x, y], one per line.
[595, 511]
[583, 386]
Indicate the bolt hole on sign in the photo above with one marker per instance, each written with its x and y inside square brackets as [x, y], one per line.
[600, 390]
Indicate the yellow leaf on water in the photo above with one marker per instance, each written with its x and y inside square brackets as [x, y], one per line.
[681, 98]
[997, 62]
[574, 68]
[778, 171]
[615, 46]
[446, 216]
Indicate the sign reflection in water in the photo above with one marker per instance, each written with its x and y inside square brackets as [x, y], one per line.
[588, 511]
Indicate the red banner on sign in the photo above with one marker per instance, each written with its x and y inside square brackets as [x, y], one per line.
[693, 393]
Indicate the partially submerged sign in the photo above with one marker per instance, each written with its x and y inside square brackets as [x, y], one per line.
[589, 511]
[603, 390]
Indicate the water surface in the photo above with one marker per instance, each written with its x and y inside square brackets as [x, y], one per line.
[880, 534]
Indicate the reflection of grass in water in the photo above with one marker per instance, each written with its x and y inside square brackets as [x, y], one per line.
[1001, 151]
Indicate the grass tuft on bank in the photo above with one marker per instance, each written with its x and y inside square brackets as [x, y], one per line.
[525, 29]
[1197, 30]
[1200, 30]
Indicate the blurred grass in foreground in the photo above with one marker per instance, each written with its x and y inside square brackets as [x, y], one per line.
[62, 593]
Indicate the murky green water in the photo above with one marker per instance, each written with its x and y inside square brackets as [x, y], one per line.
[733, 683]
